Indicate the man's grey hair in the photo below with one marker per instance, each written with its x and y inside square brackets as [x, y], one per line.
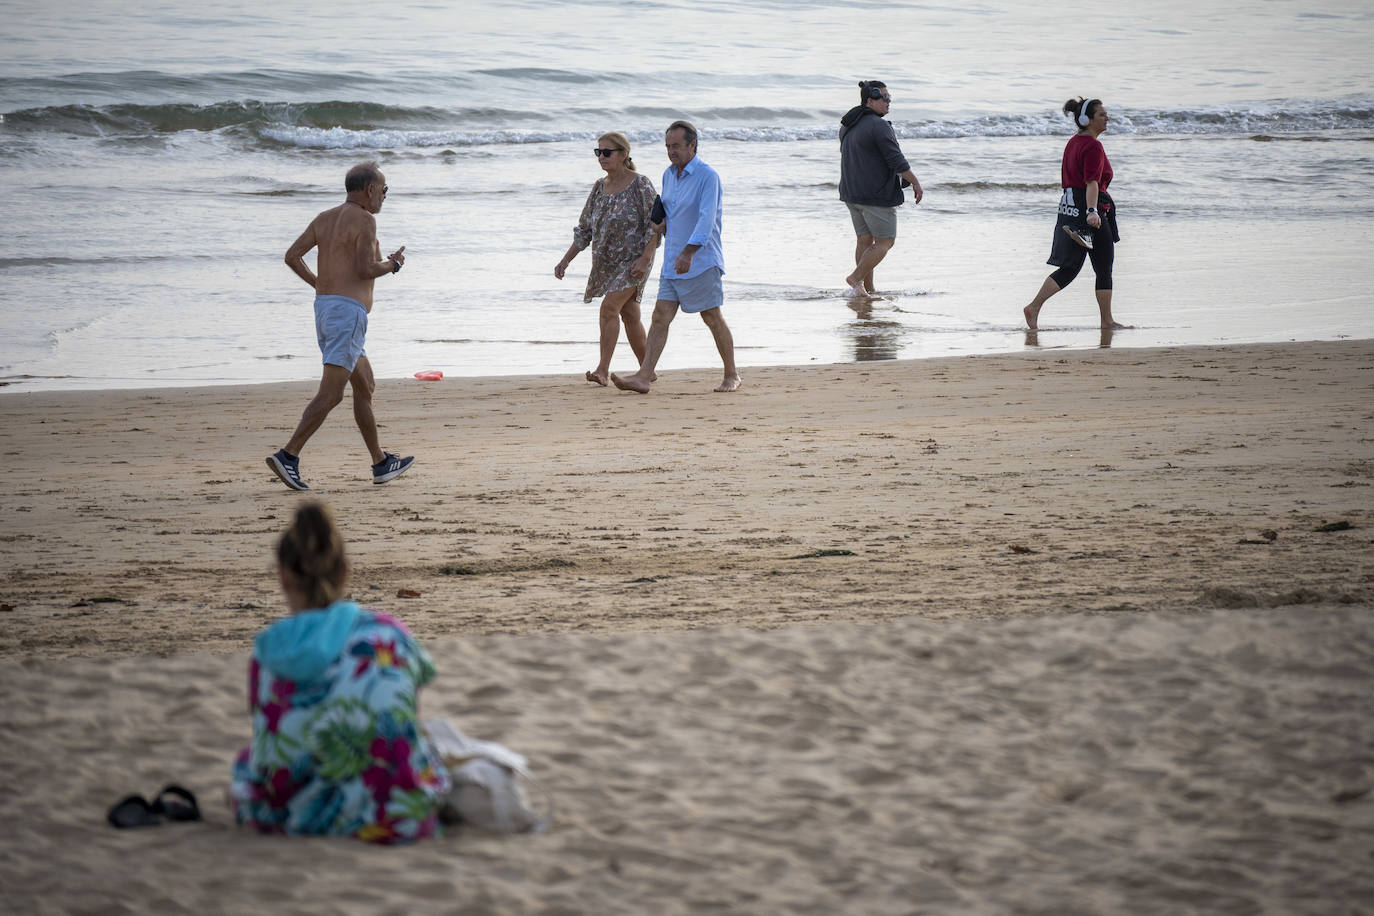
[362, 176]
[689, 133]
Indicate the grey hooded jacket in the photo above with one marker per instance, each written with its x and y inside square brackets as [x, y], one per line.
[870, 160]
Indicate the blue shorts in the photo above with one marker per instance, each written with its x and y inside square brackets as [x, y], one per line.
[694, 294]
[340, 328]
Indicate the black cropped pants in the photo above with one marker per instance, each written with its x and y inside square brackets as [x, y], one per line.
[1103, 253]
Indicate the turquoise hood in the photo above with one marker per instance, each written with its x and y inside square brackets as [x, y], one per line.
[303, 646]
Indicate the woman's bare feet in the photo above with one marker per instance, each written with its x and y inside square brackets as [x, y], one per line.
[1031, 315]
[593, 376]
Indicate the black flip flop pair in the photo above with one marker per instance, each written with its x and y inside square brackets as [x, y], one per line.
[173, 803]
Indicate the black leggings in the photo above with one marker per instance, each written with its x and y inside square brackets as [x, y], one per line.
[1102, 254]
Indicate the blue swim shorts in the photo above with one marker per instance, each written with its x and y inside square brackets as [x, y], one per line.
[340, 327]
[694, 294]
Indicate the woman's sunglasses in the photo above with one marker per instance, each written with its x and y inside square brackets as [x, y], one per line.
[607, 153]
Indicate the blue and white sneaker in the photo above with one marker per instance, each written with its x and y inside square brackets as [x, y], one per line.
[390, 467]
[288, 469]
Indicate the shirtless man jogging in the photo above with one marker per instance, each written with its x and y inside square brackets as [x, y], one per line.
[349, 259]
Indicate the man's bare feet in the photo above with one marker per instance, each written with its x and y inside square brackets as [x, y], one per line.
[594, 377]
[630, 383]
[1031, 316]
[730, 383]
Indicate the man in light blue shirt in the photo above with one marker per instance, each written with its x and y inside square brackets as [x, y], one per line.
[692, 261]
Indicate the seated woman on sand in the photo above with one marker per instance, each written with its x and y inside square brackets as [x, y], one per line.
[333, 692]
[615, 222]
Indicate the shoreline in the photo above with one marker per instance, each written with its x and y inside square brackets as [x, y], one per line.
[14, 385]
[1079, 338]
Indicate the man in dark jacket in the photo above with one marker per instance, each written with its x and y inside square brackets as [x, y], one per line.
[871, 164]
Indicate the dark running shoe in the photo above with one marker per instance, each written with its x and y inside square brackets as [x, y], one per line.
[390, 467]
[1081, 236]
[288, 469]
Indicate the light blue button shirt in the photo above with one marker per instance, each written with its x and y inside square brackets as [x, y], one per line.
[692, 203]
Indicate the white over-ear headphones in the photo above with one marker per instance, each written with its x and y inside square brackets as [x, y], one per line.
[1083, 119]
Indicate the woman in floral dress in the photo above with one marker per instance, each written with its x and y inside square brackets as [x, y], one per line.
[615, 222]
[337, 748]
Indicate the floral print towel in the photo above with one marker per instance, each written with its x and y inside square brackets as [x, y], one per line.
[342, 754]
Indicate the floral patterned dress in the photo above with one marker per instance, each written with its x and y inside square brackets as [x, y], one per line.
[617, 227]
[337, 748]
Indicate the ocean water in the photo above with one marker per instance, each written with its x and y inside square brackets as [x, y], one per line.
[158, 159]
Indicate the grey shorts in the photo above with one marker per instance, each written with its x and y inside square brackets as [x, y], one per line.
[879, 222]
[340, 329]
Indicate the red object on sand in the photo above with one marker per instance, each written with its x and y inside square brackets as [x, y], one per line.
[430, 375]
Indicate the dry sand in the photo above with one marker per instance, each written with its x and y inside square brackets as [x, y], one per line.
[996, 634]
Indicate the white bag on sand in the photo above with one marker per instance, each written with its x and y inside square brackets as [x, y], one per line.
[487, 789]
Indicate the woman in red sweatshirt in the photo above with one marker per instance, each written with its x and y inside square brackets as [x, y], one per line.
[1086, 226]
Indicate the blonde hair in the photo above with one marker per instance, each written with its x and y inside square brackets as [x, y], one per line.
[621, 142]
[311, 550]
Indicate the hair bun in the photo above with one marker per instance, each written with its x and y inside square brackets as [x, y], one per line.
[311, 550]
